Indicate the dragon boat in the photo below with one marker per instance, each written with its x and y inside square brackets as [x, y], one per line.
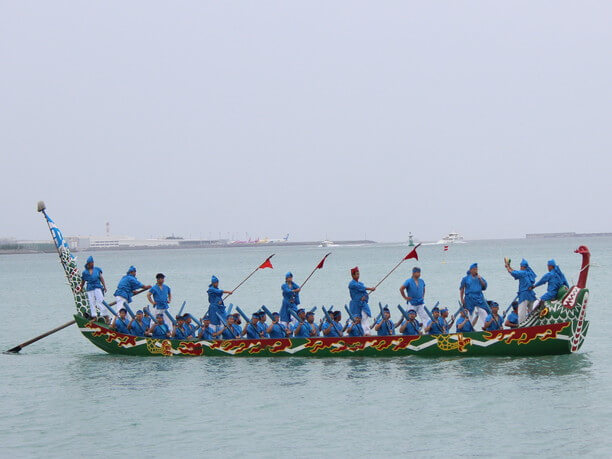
[554, 327]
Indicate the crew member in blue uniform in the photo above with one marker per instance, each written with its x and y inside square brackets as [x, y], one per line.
[96, 288]
[120, 322]
[555, 279]
[232, 331]
[411, 327]
[178, 332]
[464, 324]
[435, 326]
[128, 285]
[206, 331]
[188, 326]
[251, 330]
[160, 297]
[276, 329]
[159, 329]
[355, 328]
[470, 291]
[291, 299]
[306, 328]
[334, 329]
[512, 321]
[385, 326]
[216, 306]
[138, 326]
[526, 295]
[494, 320]
[444, 320]
[413, 291]
[359, 300]
[263, 326]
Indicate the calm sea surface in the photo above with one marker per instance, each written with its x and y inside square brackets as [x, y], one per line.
[64, 397]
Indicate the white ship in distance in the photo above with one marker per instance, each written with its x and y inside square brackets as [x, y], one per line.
[452, 238]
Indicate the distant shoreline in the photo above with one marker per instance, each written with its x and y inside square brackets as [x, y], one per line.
[568, 234]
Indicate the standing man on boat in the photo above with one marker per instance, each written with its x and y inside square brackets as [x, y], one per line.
[555, 279]
[413, 291]
[160, 296]
[291, 299]
[526, 295]
[470, 291]
[127, 287]
[215, 300]
[96, 288]
[359, 300]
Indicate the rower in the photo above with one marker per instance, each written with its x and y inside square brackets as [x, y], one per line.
[464, 325]
[237, 319]
[291, 299]
[359, 300]
[512, 321]
[306, 327]
[555, 279]
[159, 329]
[188, 326]
[178, 332]
[137, 325]
[263, 326]
[384, 325]
[526, 295]
[494, 320]
[413, 291]
[160, 296]
[444, 319]
[206, 331]
[252, 329]
[215, 300]
[127, 287]
[355, 329]
[470, 291]
[411, 327]
[96, 288]
[335, 329]
[276, 329]
[120, 322]
[231, 331]
[435, 326]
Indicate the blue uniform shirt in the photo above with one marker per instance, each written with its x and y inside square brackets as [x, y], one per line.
[229, 335]
[121, 325]
[160, 295]
[126, 286]
[513, 318]
[415, 292]
[161, 331]
[554, 284]
[277, 331]
[336, 328]
[263, 329]
[290, 301]
[179, 333]
[467, 327]
[473, 292]
[139, 329]
[189, 330]
[215, 299]
[358, 291]
[497, 324]
[524, 278]
[92, 279]
[386, 328]
[412, 328]
[356, 330]
[252, 331]
[206, 333]
[437, 328]
[304, 330]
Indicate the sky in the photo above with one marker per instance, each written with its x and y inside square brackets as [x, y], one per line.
[339, 120]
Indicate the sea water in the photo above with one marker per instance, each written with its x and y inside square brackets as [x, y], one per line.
[64, 397]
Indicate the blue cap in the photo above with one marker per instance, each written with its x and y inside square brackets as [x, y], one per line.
[299, 311]
[337, 313]
[436, 308]
[214, 280]
[206, 317]
[289, 274]
[411, 311]
[444, 310]
[275, 314]
[139, 311]
[416, 269]
[386, 309]
[131, 269]
[89, 260]
[474, 265]
[309, 313]
[552, 263]
[524, 263]
[159, 315]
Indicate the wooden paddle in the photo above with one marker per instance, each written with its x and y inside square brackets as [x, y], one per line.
[16, 349]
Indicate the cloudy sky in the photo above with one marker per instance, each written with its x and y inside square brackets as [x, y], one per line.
[342, 119]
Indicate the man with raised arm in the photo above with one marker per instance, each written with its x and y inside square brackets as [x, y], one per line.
[526, 295]
[470, 291]
[359, 300]
[413, 291]
[215, 300]
[128, 285]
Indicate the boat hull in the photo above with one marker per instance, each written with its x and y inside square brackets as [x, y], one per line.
[550, 339]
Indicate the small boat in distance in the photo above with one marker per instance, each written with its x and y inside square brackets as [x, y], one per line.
[452, 238]
[327, 243]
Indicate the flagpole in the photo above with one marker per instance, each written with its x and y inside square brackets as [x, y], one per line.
[319, 266]
[248, 277]
[398, 265]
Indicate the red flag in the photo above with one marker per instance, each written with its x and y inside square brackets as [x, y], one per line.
[266, 264]
[446, 248]
[413, 254]
[320, 265]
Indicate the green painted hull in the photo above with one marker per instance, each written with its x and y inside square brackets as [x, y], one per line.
[539, 340]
